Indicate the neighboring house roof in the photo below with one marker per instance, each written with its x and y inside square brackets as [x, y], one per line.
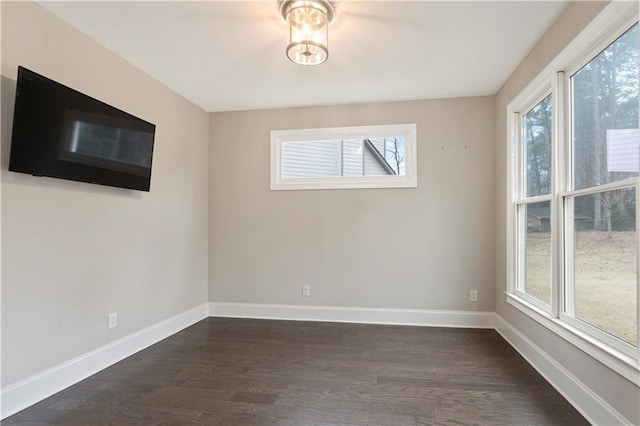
[379, 157]
[545, 213]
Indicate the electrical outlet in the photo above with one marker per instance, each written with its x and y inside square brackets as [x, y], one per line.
[113, 320]
[306, 290]
[473, 295]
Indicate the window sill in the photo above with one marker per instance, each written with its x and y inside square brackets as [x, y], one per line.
[625, 365]
[345, 183]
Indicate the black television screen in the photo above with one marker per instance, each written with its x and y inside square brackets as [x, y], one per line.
[62, 133]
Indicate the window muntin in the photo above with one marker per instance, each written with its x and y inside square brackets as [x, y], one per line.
[344, 157]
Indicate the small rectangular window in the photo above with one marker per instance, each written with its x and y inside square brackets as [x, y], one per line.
[344, 157]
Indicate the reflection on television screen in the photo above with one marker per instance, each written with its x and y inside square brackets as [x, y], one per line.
[107, 142]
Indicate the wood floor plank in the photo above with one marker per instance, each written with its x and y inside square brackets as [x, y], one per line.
[224, 371]
[472, 384]
[254, 397]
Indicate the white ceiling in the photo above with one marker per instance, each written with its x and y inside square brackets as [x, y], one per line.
[229, 55]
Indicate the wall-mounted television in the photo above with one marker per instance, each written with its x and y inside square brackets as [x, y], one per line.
[62, 133]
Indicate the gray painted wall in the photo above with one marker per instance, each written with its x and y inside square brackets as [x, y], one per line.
[618, 392]
[398, 248]
[73, 252]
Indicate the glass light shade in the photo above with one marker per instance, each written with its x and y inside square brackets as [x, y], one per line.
[308, 30]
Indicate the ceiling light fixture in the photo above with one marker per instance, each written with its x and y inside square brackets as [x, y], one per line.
[308, 30]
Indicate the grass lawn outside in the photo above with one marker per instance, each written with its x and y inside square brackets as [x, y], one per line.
[605, 277]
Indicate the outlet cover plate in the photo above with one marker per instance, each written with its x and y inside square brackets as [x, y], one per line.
[113, 320]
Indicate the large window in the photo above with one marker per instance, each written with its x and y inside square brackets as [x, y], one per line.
[574, 162]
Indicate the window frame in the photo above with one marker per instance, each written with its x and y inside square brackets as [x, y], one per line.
[520, 200]
[408, 180]
[555, 79]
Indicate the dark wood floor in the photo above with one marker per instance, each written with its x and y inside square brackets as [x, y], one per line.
[259, 372]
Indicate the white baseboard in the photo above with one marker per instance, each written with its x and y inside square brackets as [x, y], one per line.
[27, 392]
[417, 317]
[590, 405]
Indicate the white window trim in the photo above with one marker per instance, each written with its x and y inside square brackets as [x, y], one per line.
[616, 18]
[530, 102]
[409, 180]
